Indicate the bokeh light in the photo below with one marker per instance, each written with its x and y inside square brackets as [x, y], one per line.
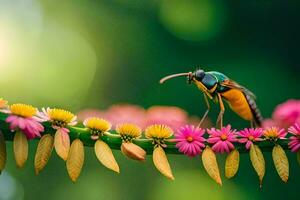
[192, 19]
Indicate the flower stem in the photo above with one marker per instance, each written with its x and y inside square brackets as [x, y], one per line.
[114, 140]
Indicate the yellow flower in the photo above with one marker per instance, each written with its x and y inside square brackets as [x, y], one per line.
[97, 124]
[158, 131]
[274, 133]
[129, 131]
[23, 110]
[59, 117]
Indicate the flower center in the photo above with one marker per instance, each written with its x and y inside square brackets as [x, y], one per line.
[251, 138]
[23, 110]
[223, 137]
[189, 139]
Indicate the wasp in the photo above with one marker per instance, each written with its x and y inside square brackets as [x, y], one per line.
[219, 88]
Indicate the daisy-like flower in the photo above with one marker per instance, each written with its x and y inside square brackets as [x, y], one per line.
[60, 119]
[274, 133]
[287, 113]
[22, 118]
[284, 115]
[128, 132]
[97, 126]
[158, 132]
[190, 140]
[294, 143]
[249, 136]
[222, 139]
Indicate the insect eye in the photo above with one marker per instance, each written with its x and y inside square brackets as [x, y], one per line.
[199, 74]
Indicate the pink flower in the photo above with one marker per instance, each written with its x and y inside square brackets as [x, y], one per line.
[21, 118]
[222, 139]
[249, 136]
[294, 143]
[285, 114]
[171, 116]
[190, 140]
[126, 113]
[29, 126]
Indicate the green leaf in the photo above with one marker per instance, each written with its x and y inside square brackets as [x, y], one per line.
[281, 162]
[232, 163]
[258, 162]
[210, 164]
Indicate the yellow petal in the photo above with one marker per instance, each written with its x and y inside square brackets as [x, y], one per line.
[281, 162]
[161, 162]
[258, 162]
[20, 148]
[2, 152]
[133, 151]
[43, 152]
[298, 157]
[62, 143]
[105, 156]
[210, 164]
[232, 163]
[75, 159]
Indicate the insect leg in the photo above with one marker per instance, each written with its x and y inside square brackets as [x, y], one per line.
[252, 124]
[222, 110]
[206, 112]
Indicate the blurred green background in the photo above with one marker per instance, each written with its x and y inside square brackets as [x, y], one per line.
[92, 54]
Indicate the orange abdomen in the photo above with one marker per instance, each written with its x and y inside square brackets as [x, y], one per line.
[238, 103]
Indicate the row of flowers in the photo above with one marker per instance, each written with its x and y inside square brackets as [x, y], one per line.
[26, 121]
[190, 139]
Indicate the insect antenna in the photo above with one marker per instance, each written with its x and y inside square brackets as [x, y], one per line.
[173, 76]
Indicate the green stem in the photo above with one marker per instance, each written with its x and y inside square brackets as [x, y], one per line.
[114, 141]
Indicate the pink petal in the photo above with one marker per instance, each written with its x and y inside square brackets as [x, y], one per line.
[225, 147]
[248, 144]
[11, 118]
[213, 140]
[296, 148]
[243, 140]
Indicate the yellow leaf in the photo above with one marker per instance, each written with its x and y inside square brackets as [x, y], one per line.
[232, 163]
[62, 143]
[105, 156]
[161, 162]
[2, 152]
[20, 148]
[298, 157]
[281, 162]
[75, 159]
[210, 164]
[133, 151]
[43, 152]
[258, 162]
